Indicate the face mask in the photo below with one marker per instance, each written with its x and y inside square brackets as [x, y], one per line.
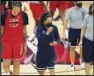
[79, 5]
[48, 24]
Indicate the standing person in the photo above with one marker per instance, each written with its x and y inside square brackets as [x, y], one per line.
[48, 36]
[86, 39]
[75, 15]
[62, 7]
[14, 35]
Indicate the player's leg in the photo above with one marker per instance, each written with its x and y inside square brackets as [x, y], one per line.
[52, 72]
[52, 7]
[41, 72]
[17, 52]
[51, 66]
[62, 8]
[87, 68]
[73, 43]
[41, 68]
[41, 64]
[6, 55]
[81, 59]
[34, 10]
[87, 54]
[72, 58]
[6, 65]
[16, 66]
[62, 15]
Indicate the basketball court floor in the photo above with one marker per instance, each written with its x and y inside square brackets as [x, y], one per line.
[60, 69]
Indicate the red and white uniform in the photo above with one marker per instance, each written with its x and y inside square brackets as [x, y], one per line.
[13, 36]
[37, 9]
[61, 5]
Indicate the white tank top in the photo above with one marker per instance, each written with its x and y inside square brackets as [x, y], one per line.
[36, 2]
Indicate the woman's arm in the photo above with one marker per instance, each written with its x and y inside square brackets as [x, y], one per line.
[83, 29]
[56, 37]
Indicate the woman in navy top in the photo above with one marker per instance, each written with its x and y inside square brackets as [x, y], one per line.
[48, 36]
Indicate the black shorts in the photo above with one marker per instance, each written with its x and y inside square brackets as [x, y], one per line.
[43, 64]
[74, 36]
[87, 50]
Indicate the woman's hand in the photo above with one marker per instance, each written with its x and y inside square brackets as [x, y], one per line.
[49, 30]
[53, 43]
[24, 51]
[80, 43]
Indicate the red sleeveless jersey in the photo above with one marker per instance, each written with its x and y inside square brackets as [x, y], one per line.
[13, 28]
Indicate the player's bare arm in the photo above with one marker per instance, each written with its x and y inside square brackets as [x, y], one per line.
[65, 27]
[83, 30]
[25, 39]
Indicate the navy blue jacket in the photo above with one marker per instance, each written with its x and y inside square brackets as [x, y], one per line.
[44, 49]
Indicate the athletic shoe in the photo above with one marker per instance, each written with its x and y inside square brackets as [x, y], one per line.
[72, 68]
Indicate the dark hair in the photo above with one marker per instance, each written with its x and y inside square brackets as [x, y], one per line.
[17, 3]
[44, 17]
[90, 8]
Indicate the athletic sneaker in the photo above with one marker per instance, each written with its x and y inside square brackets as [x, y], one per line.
[72, 68]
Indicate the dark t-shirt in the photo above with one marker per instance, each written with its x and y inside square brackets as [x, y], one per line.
[4, 15]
